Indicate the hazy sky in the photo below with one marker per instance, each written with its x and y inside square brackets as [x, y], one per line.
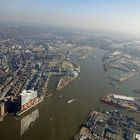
[118, 15]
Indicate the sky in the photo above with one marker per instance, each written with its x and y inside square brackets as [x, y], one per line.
[106, 15]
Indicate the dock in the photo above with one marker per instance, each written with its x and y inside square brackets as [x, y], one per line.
[64, 81]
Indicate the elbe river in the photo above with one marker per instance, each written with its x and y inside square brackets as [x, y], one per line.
[54, 118]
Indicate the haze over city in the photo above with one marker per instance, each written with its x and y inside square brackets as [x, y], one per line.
[106, 15]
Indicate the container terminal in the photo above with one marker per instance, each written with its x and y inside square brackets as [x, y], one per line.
[121, 101]
[110, 125]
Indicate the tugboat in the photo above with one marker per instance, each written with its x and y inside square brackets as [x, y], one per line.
[106, 99]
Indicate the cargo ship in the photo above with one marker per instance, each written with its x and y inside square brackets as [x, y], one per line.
[121, 101]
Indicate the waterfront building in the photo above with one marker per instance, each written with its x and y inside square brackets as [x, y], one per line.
[28, 99]
[2, 109]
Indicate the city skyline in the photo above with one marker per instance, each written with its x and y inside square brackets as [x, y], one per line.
[88, 15]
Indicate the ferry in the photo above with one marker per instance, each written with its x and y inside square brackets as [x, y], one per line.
[70, 101]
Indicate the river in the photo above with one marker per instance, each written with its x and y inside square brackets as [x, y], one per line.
[54, 118]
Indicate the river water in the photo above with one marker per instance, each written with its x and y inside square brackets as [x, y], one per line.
[54, 118]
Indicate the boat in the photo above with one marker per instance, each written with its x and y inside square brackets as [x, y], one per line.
[72, 100]
[106, 99]
[61, 96]
[51, 119]
[50, 95]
